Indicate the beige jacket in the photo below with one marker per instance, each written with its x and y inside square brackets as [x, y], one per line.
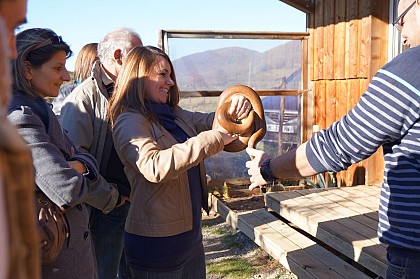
[17, 174]
[156, 166]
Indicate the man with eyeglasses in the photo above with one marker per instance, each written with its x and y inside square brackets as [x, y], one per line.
[408, 22]
[387, 115]
[19, 250]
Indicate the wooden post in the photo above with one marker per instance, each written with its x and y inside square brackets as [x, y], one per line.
[319, 40]
[328, 66]
[341, 94]
[311, 48]
[339, 39]
[353, 93]
[320, 104]
[352, 44]
[330, 106]
[365, 37]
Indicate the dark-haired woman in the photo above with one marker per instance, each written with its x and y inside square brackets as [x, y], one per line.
[62, 173]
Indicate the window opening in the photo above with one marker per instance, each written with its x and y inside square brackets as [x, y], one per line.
[208, 62]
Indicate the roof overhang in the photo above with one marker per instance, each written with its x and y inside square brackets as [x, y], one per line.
[306, 6]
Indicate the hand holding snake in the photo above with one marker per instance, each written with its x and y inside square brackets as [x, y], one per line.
[238, 109]
[240, 112]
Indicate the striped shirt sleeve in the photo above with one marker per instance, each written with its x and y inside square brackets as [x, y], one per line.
[383, 115]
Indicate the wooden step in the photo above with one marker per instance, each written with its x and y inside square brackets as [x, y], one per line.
[295, 251]
[343, 218]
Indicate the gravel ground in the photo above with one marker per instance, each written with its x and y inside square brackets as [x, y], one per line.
[222, 243]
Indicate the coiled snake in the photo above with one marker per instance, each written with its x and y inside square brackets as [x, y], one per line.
[251, 129]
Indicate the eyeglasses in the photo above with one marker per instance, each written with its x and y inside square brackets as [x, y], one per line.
[398, 22]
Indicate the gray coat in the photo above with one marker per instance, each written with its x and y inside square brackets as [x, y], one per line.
[84, 116]
[51, 149]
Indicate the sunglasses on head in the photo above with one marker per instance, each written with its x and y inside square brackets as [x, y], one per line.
[54, 40]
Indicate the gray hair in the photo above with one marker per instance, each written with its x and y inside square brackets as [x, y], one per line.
[120, 38]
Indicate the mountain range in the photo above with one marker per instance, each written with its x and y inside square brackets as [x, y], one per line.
[221, 68]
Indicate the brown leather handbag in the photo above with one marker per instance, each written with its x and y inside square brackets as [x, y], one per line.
[52, 222]
[53, 228]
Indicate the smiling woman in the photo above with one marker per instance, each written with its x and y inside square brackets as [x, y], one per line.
[47, 79]
[162, 147]
[40, 68]
[62, 173]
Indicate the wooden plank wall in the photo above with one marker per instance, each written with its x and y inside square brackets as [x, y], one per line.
[348, 44]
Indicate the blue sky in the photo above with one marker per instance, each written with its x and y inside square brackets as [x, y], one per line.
[81, 22]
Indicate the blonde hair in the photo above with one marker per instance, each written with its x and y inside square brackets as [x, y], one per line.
[130, 86]
[84, 61]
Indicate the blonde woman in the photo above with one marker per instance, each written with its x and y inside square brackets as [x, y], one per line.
[162, 147]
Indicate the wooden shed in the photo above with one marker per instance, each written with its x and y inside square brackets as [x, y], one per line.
[349, 41]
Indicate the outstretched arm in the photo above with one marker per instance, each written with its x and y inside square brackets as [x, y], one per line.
[292, 164]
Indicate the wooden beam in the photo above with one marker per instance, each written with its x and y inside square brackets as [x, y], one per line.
[306, 6]
[229, 34]
[216, 93]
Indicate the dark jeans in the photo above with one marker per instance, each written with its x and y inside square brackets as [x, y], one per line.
[124, 271]
[108, 239]
[403, 264]
[194, 269]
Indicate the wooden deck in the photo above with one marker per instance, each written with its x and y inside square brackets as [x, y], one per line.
[344, 218]
[296, 252]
